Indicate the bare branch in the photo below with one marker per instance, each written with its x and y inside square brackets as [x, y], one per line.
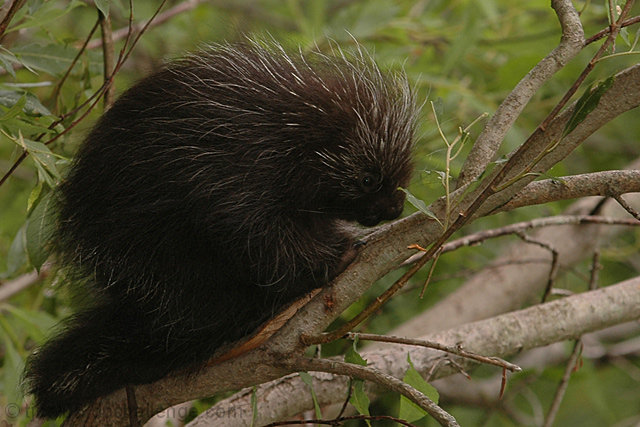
[9, 289]
[575, 186]
[14, 7]
[553, 272]
[383, 379]
[500, 336]
[518, 227]
[457, 350]
[108, 57]
[509, 285]
[486, 146]
[626, 206]
[564, 383]
[604, 32]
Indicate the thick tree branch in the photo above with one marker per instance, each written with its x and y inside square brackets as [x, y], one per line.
[500, 289]
[486, 146]
[500, 336]
[607, 183]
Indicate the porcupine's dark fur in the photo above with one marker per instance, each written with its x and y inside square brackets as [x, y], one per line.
[210, 195]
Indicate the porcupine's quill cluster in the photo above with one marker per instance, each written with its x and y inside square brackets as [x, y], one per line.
[210, 195]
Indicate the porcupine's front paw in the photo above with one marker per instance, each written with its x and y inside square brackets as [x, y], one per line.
[349, 255]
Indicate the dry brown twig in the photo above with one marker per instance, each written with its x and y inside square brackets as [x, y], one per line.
[108, 56]
[376, 376]
[14, 7]
[457, 349]
[618, 198]
[553, 272]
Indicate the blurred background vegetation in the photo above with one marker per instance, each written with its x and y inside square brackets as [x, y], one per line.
[466, 55]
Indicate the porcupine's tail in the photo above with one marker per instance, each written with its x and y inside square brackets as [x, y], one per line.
[90, 358]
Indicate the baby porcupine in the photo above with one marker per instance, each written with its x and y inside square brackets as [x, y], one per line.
[210, 195]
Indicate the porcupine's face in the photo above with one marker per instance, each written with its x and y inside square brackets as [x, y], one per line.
[374, 195]
[380, 198]
[365, 187]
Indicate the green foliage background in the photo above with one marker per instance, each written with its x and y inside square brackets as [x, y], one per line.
[468, 54]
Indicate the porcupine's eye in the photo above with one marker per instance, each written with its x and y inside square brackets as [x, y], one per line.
[370, 182]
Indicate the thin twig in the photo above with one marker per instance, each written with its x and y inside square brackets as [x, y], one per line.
[58, 87]
[595, 268]
[488, 143]
[15, 7]
[10, 288]
[491, 188]
[436, 257]
[371, 308]
[553, 272]
[618, 198]
[605, 31]
[107, 57]
[376, 376]
[338, 421]
[420, 260]
[479, 237]
[564, 383]
[457, 350]
[346, 400]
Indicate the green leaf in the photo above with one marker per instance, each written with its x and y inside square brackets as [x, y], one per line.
[7, 59]
[359, 398]
[363, 19]
[103, 6]
[46, 13]
[12, 368]
[44, 159]
[37, 324]
[34, 196]
[31, 104]
[352, 355]
[39, 230]
[14, 109]
[308, 380]
[52, 59]
[408, 410]
[419, 204]
[586, 104]
[17, 255]
[471, 29]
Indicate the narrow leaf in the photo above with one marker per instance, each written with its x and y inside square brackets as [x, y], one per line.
[31, 104]
[419, 204]
[586, 104]
[308, 380]
[17, 255]
[359, 398]
[39, 230]
[103, 6]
